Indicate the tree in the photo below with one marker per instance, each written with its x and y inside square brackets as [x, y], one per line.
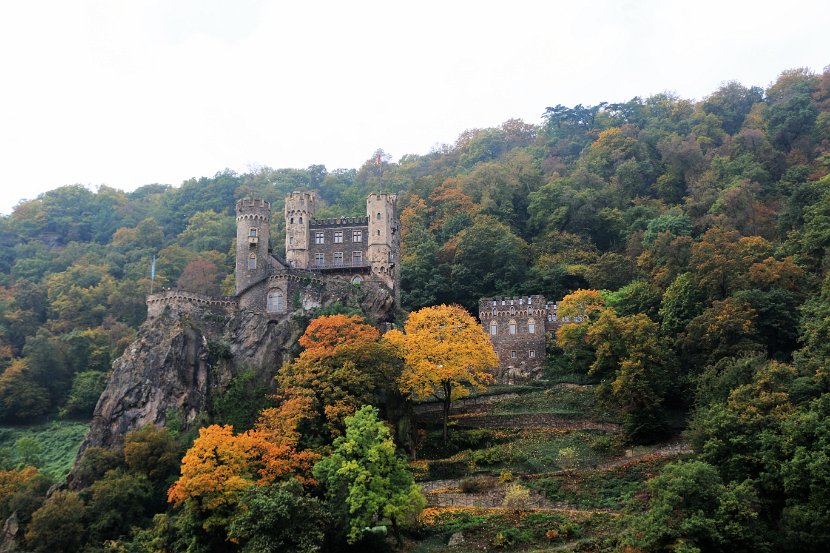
[445, 351]
[279, 519]
[367, 477]
[87, 387]
[58, 526]
[345, 364]
[691, 509]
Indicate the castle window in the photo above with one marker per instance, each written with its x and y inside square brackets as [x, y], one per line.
[338, 237]
[357, 280]
[319, 259]
[301, 219]
[357, 258]
[512, 327]
[252, 233]
[512, 354]
[290, 240]
[252, 262]
[378, 216]
[531, 354]
[276, 301]
[494, 311]
[338, 259]
[378, 232]
[531, 326]
[357, 236]
[494, 328]
[319, 238]
[529, 300]
[292, 220]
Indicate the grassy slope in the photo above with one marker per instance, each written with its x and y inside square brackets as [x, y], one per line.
[558, 443]
[58, 440]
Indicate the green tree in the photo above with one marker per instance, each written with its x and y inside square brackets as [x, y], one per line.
[691, 509]
[58, 526]
[366, 478]
[279, 519]
[87, 387]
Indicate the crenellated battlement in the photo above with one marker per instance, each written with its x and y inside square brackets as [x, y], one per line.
[342, 221]
[156, 303]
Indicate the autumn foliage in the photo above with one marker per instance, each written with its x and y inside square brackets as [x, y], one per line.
[445, 352]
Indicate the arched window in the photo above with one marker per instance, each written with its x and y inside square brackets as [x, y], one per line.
[512, 326]
[301, 219]
[292, 220]
[512, 310]
[252, 262]
[276, 301]
[378, 216]
[531, 326]
[494, 328]
[357, 280]
[494, 311]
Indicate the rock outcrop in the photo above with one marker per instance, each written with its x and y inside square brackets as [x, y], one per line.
[182, 358]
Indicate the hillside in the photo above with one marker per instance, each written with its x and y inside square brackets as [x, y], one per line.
[690, 237]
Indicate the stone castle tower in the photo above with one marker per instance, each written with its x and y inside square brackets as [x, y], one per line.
[384, 236]
[253, 233]
[299, 211]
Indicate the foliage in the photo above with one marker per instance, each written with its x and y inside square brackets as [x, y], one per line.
[364, 476]
[57, 527]
[279, 518]
[445, 352]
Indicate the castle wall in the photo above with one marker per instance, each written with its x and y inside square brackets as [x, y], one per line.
[517, 328]
[384, 238]
[180, 301]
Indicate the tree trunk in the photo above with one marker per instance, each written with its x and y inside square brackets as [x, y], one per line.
[396, 532]
[447, 399]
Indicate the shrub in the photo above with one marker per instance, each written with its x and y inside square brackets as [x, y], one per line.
[443, 469]
[505, 476]
[516, 497]
[568, 457]
[478, 484]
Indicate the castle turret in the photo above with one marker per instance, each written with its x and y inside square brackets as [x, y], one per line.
[384, 238]
[253, 232]
[299, 210]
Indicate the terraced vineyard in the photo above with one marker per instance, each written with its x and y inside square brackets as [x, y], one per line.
[529, 469]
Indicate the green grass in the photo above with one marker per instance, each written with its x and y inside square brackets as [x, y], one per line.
[58, 441]
[610, 489]
[571, 403]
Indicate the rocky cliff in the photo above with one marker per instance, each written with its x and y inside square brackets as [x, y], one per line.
[180, 359]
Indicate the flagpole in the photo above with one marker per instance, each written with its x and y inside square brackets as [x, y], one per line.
[152, 273]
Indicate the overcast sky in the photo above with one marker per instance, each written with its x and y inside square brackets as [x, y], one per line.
[126, 93]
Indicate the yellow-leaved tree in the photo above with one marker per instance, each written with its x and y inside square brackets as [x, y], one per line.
[445, 352]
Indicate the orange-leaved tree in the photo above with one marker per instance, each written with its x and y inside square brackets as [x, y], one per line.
[445, 352]
[221, 464]
[343, 365]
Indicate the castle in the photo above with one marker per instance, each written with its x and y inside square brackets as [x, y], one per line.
[319, 254]
[518, 328]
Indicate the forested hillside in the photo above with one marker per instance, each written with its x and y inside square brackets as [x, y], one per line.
[705, 225]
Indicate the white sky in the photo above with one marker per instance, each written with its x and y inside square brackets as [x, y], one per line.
[126, 93]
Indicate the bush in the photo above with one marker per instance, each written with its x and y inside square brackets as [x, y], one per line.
[505, 476]
[444, 469]
[478, 484]
[490, 456]
[517, 497]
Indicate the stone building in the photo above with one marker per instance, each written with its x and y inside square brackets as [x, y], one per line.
[324, 257]
[518, 328]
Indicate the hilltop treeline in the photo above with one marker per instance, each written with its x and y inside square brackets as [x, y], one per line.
[709, 218]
